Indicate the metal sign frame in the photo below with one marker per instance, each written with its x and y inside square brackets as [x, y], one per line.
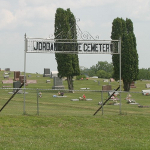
[93, 49]
[47, 45]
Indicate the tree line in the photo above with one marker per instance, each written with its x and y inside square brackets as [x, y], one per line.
[103, 69]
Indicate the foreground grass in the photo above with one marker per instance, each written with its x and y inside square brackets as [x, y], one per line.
[121, 132]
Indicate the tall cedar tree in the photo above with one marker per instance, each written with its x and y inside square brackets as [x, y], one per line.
[129, 56]
[65, 28]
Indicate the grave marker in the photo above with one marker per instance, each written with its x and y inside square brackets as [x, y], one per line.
[112, 80]
[46, 72]
[6, 76]
[7, 69]
[16, 75]
[132, 85]
[21, 78]
[105, 80]
[106, 88]
[147, 85]
[57, 83]
[7, 81]
[16, 84]
[31, 81]
[48, 81]
[54, 74]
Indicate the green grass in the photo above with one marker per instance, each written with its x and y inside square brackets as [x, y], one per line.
[75, 132]
[64, 124]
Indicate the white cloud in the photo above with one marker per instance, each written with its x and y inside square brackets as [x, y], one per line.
[28, 12]
[4, 4]
[85, 3]
[86, 23]
[6, 18]
[137, 9]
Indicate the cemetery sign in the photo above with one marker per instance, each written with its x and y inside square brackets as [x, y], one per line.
[38, 45]
[77, 46]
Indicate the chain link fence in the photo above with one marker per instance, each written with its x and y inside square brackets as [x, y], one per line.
[48, 102]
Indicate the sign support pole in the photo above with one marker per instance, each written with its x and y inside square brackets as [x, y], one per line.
[120, 70]
[25, 50]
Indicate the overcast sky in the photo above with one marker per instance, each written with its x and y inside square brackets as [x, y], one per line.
[36, 19]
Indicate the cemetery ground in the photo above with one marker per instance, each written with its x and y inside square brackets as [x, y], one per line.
[66, 124]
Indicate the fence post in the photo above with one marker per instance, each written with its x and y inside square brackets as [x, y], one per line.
[37, 101]
[120, 104]
[102, 100]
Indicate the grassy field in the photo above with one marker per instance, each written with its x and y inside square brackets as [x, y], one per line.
[65, 124]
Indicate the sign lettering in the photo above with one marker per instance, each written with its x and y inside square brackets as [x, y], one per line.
[80, 47]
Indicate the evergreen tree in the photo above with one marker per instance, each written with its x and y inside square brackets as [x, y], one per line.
[65, 31]
[129, 57]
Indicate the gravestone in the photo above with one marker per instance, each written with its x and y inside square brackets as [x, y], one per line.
[106, 88]
[16, 75]
[146, 92]
[16, 84]
[105, 80]
[147, 85]
[111, 92]
[57, 83]
[31, 81]
[132, 85]
[7, 81]
[7, 69]
[46, 72]
[48, 81]
[54, 74]
[21, 78]
[6, 76]
[112, 80]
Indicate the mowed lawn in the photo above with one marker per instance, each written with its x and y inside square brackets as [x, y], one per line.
[59, 123]
[75, 132]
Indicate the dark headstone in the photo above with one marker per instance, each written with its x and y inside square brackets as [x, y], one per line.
[16, 75]
[46, 72]
[7, 69]
[16, 84]
[57, 83]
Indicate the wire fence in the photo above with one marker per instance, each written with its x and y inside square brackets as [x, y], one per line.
[48, 102]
